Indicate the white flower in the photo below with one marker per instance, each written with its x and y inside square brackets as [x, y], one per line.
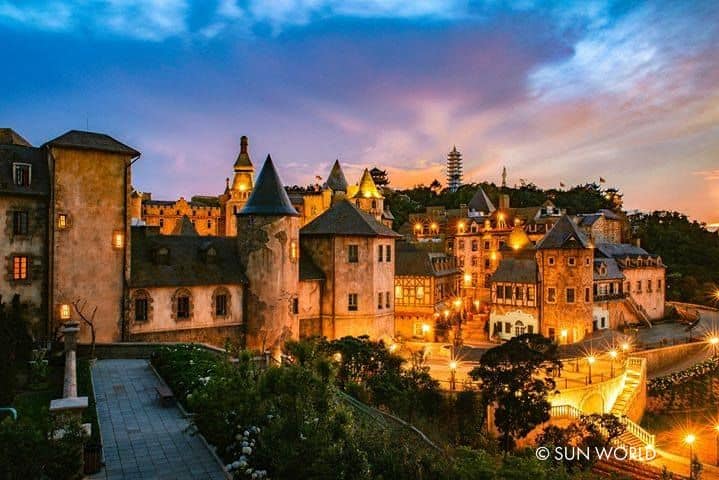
[236, 465]
[247, 450]
[247, 434]
[238, 437]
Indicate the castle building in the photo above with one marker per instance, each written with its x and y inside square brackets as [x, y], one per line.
[426, 286]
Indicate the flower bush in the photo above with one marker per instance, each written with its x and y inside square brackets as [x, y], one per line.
[687, 389]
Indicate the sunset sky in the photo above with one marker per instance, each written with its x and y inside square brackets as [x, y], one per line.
[554, 91]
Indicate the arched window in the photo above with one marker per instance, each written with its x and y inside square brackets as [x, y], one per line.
[182, 305]
[141, 307]
[374, 204]
[221, 299]
[518, 328]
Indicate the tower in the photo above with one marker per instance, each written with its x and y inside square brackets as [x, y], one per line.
[504, 177]
[268, 247]
[454, 169]
[239, 191]
[367, 197]
[337, 182]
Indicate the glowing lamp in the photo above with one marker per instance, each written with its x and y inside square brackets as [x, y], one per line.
[393, 348]
[467, 278]
[338, 357]
[64, 311]
[118, 239]
[453, 365]
[613, 353]
[564, 333]
[714, 340]
[591, 359]
[457, 303]
[417, 226]
[425, 328]
[690, 438]
[625, 346]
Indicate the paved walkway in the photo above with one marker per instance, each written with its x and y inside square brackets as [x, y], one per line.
[141, 439]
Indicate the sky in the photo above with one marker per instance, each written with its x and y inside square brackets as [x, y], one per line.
[556, 91]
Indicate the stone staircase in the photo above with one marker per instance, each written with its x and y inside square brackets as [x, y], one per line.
[473, 330]
[637, 310]
[634, 378]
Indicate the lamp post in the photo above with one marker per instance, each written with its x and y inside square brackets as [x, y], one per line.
[689, 440]
[613, 356]
[590, 361]
[714, 342]
[452, 375]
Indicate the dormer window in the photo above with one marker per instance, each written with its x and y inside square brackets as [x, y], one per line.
[21, 173]
[162, 256]
[210, 255]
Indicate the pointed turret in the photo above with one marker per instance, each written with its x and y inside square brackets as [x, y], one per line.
[269, 197]
[337, 181]
[243, 161]
[564, 234]
[367, 188]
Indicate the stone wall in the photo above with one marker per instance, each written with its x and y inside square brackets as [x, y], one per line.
[93, 190]
[206, 219]
[215, 336]
[660, 359]
[652, 301]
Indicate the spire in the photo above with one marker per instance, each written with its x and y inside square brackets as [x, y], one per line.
[184, 227]
[337, 181]
[243, 161]
[454, 169]
[269, 196]
[504, 177]
[367, 188]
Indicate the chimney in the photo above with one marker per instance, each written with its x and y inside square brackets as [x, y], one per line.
[243, 144]
[503, 201]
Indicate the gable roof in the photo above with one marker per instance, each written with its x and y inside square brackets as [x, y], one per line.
[564, 234]
[187, 261]
[620, 250]
[367, 187]
[410, 261]
[39, 173]
[268, 196]
[480, 202]
[337, 181]
[91, 141]
[516, 270]
[344, 218]
[612, 272]
[8, 136]
[185, 227]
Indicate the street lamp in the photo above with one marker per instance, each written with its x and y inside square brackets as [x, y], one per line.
[689, 440]
[714, 342]
[452, 373]
[613, 356]
[425, 330]
[564, 334]
[590, 361]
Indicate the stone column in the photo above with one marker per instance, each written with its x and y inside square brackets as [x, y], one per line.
[70, 331]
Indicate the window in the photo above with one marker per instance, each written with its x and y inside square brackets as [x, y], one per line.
[162, 222]
[518, 328]
[486, 245]
[649, 286]
[659, 285]
[221, 305]
[639, 286]
[62, 221]
[209, 224]
[530, 294]
[352, 302]
[587, 261]
[508, 292]
[141, 309]
[587, 295]
[294, 253]
[183, 307]
[118, 239]
[19, 223]
[386, 299]
[500, 292]
[398, 291]
[550, 333]
[530, 329]
[420, 293]
[374, 204]
[518, 293]
[460, 245]
[475, 245]
[380, 255]
[571, 261]
[475, 260]
[295, 306]
[487, 263]
[507, 327]
[22, 173]
[551, 295]
[20, 267]
[475, 279]
[628, 287]
[353, 254]
[570, 295]
[379, 301]
[388, 253]
[550, 260]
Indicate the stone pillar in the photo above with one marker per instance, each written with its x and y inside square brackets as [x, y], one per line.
[70, 331]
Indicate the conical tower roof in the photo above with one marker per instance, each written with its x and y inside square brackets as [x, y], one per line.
[243, 161]
[337, 181]
[269, 196]
[481, 203]
[367, 188]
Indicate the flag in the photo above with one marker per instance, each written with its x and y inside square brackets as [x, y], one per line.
[601, 180]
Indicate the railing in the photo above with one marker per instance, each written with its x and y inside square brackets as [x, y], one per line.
[645, 437]
[610, 296]
[565, 411]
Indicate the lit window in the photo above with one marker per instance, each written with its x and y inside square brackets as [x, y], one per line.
[20, 267]
[62, 222]
[420, 293]
[293, 250]
[19, 223]
[398, 291]
[64, 311]
[118, 239]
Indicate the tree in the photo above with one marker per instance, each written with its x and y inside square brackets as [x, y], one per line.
[89, 320]
[15, 347]
[510, 379]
